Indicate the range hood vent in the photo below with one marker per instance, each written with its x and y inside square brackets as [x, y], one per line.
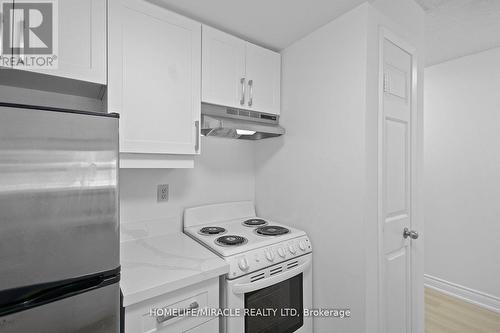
[234, 123]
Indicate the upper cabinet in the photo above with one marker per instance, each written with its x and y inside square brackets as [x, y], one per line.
[81, 40]
[263, 72]
[154, 79]
[239, 74]
[223, 68]
[7, 52]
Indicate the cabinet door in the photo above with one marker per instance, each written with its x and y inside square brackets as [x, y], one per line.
[8, 52]
[154, 78]
[81, 42]
[223, 68]
[205, 295]
[263, 69]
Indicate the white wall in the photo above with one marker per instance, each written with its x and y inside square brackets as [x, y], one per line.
[462, 171]
[322, 175]
[223, 172]
[313, 176]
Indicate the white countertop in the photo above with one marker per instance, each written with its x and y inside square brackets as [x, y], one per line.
[158, 265]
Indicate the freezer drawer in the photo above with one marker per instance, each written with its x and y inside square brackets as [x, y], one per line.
[96, 311]
[58, 195]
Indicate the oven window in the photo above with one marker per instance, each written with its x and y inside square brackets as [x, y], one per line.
[284, 295]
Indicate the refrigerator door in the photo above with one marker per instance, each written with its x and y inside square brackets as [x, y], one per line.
[96, 311]
[58, 195]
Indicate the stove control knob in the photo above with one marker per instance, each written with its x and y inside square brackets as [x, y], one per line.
[281, 252]
[302, 245]
[292, 249]
[243, 264]
[270, 255]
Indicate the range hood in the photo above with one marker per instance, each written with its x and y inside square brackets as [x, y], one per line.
[242, 124]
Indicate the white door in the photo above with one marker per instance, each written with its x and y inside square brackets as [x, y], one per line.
[397, 188]
[223, 68]
[154, 78]
[81, 43]
[263, 69]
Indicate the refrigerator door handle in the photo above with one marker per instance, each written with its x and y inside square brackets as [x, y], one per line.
[23, 298]
[70, 288]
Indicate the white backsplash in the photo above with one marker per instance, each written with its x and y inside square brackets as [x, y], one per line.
[225, 171]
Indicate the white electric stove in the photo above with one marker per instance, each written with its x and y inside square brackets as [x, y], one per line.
[270, 266]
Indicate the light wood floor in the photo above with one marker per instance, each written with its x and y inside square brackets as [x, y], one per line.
[445, 314]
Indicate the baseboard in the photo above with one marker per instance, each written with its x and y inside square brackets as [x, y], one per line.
[478, 298]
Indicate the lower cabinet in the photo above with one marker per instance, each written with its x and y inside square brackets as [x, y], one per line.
[156, 315]
[210, 326]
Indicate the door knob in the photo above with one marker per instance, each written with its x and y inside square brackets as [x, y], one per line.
[412, 234]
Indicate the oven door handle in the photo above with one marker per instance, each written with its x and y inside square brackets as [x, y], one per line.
[243, 288]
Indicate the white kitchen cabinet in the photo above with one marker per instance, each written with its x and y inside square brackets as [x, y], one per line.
[81, 41]
[208, 327]
[223, 69]
[154, 79]
[263, 72]
[4, 53]
[139, 318]
[239, 74]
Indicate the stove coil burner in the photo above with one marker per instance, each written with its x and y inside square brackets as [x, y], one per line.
[272, 230]
[231, 240]
[212, 231]
[254, 223]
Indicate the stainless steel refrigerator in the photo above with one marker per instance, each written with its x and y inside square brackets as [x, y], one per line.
[59, 229]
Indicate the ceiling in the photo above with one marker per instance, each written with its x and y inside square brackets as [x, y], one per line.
[274, 24]
[456, 28]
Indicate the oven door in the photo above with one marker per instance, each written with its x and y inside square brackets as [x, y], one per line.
[277, 296]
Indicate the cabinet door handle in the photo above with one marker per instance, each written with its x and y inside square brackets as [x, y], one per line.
[180, 312]
[250, 87]
[197, 142]
[242, 99]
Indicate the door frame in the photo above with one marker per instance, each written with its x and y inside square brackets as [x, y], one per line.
[416, 248]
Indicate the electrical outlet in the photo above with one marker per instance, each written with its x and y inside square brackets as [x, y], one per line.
[162, 193]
